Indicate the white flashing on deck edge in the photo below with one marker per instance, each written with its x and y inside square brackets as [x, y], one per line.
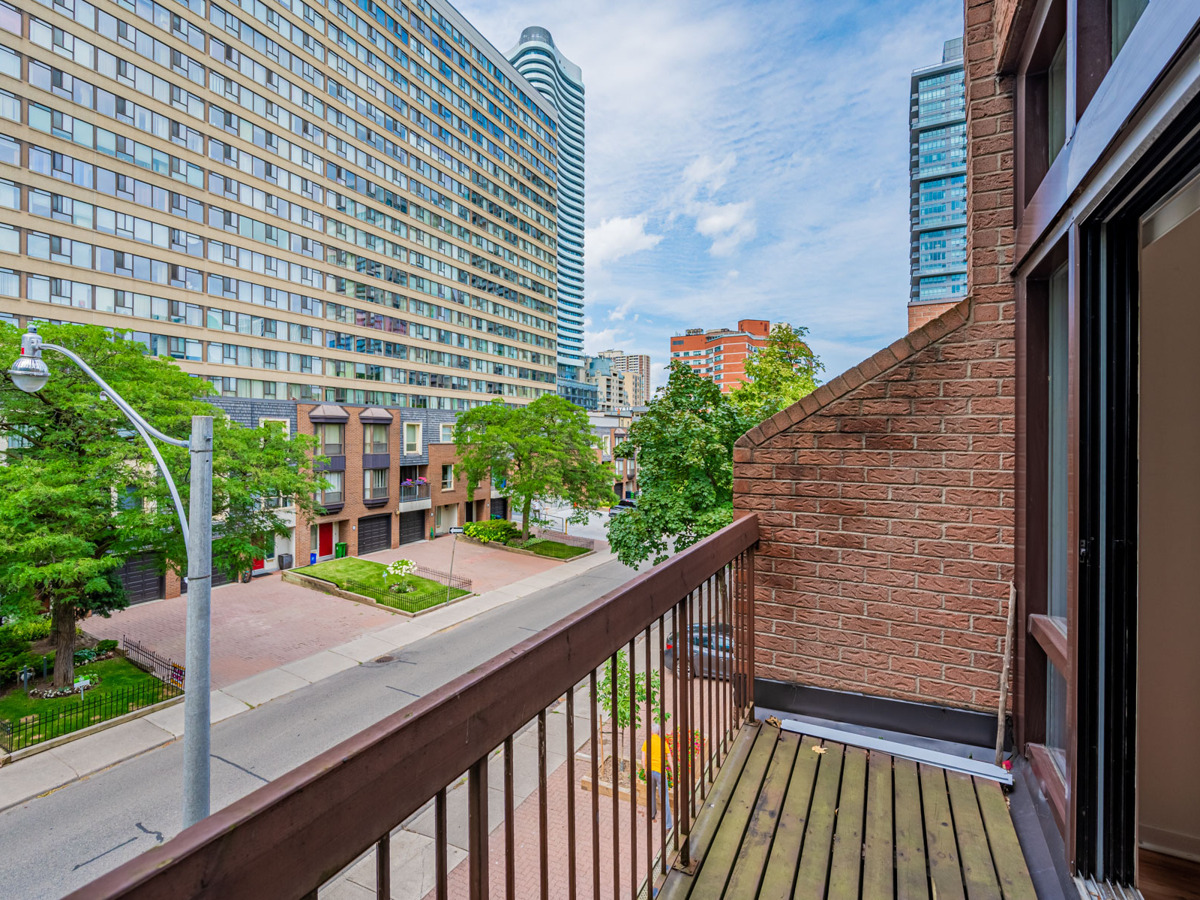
[904, 751]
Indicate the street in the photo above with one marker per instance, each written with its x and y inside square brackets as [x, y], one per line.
[57, 843]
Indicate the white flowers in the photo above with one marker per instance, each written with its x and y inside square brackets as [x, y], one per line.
[400, 570]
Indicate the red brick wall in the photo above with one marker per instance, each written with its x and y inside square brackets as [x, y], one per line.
[886, 497]
[439, 455]
[923, 313]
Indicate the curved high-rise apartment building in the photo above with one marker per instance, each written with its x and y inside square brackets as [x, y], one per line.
[561, 81]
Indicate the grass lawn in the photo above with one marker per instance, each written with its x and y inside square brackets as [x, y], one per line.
[352, 575]
[66, 714]
[555, 550]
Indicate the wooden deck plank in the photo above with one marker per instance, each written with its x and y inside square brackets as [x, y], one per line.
[846, 867]
[912, 882]
[941, 844]
[1013, 873]
[974, 853]
[679, 884]
[818, 836]
[879, 855]
[780, 873]
[751, 861]
[717, 862]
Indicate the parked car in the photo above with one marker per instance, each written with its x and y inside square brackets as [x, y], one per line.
[623, 506]
[709, 650]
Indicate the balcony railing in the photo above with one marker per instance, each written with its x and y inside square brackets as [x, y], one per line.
[411, 492]
[343, 808]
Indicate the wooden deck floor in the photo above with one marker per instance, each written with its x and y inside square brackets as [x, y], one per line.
[791, 816]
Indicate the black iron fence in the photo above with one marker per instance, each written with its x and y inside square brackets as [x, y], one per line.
[160, 666]
[414, 601]
[443, 578]
[73, 713]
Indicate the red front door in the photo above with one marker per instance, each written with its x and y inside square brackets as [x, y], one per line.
[325, 539]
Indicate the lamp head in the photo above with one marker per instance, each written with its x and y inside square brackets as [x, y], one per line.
[30, 372]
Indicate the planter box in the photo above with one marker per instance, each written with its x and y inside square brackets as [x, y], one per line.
[507, 549]
[327, 587]
[605, 788]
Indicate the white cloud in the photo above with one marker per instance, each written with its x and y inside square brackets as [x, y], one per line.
[618, 237]
[762, 145]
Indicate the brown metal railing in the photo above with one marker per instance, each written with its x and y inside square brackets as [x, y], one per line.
[338, 815]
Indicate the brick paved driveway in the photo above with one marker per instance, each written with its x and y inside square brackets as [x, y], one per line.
[267, 623]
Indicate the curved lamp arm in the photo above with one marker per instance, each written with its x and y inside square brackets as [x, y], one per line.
[144, 428]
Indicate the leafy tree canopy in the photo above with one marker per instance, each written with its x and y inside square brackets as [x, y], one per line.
[684, 450]
[779, 374]
[80, 493]
[544, 451]
[684, 446]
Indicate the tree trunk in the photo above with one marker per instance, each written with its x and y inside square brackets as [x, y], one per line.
[525, 518]
[64, 643]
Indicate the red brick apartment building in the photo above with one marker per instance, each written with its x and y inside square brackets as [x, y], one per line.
[1041, 432]
[720, 355]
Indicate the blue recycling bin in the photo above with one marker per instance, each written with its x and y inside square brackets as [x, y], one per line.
[312, 559]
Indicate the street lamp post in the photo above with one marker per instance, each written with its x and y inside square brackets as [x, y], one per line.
[30, 373]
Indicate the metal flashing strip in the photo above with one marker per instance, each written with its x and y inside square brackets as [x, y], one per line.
[1090, 889]
[904, 751]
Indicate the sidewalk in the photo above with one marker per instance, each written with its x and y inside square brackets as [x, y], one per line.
[50, 770]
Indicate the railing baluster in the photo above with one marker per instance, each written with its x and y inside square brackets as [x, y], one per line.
[441, 870]
[595, 787]
[477, 830]
[571, 867]
[664, 795]
[616, 799]
[676, 721]
[649, 740]
[714, 639]
[633, 883]
[543, 816]
[383, 868]
[750, 604]
[510, 863]
[685, 751]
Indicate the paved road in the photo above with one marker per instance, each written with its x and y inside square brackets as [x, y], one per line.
[55, 844]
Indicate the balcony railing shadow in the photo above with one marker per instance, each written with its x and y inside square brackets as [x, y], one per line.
[340, 815]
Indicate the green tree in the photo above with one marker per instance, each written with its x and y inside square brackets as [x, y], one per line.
[543, 451]
[615, 700]
[779, 374]
[684, 450]
[79, 492]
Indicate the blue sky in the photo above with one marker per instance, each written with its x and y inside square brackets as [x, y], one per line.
[744, 160]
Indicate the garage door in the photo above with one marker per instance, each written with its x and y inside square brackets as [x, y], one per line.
[499, 507]
[374, 533]
[141, 578]
[412, 526]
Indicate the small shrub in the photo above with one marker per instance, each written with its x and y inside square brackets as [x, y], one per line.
[499, 530]
[28, 631]
[85, 656]
[106, 646]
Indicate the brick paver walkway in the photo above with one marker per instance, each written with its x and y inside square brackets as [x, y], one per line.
[255, 626]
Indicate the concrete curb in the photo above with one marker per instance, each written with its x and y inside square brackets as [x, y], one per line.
[26, 779]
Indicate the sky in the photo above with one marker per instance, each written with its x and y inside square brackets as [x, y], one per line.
[743, 160]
